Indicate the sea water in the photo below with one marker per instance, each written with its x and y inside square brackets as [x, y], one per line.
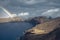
[13, 30]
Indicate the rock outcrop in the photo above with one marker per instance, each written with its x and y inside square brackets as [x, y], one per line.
[37, 20]
[45, 31]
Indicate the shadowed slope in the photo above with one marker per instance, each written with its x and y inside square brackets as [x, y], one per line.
[45, 31]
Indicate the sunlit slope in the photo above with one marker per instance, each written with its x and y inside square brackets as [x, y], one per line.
[45, 27]
[14, 19]
[46, 31]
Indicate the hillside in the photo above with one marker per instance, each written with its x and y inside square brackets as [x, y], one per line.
[45, 31]
[38, 20]
[3, 20]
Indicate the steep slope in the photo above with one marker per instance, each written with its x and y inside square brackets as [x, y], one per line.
[45, 31]
[38, 20]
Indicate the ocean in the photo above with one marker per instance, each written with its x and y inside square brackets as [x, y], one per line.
[13, 30]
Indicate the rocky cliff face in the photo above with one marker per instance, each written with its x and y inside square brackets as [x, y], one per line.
[37, 20]
[45, 31]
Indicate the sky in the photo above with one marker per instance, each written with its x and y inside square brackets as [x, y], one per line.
[32, 8]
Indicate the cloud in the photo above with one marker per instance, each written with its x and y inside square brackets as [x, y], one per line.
[52, 12]
[14, 15]
[30, 2]
[3, 14]
[34, 7]
[23, 14]
[4, 2]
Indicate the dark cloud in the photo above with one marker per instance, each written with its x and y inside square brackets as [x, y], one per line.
[30, 3]
[34, 7]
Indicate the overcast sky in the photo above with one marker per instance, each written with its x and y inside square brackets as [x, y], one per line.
[32, 7]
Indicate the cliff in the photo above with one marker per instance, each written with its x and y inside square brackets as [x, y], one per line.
[37, 20]
[45, 31]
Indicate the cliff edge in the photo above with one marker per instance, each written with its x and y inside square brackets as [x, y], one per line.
[45, 31]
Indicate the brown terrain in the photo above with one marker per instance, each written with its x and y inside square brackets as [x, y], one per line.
[49, 30]
[3, 20]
